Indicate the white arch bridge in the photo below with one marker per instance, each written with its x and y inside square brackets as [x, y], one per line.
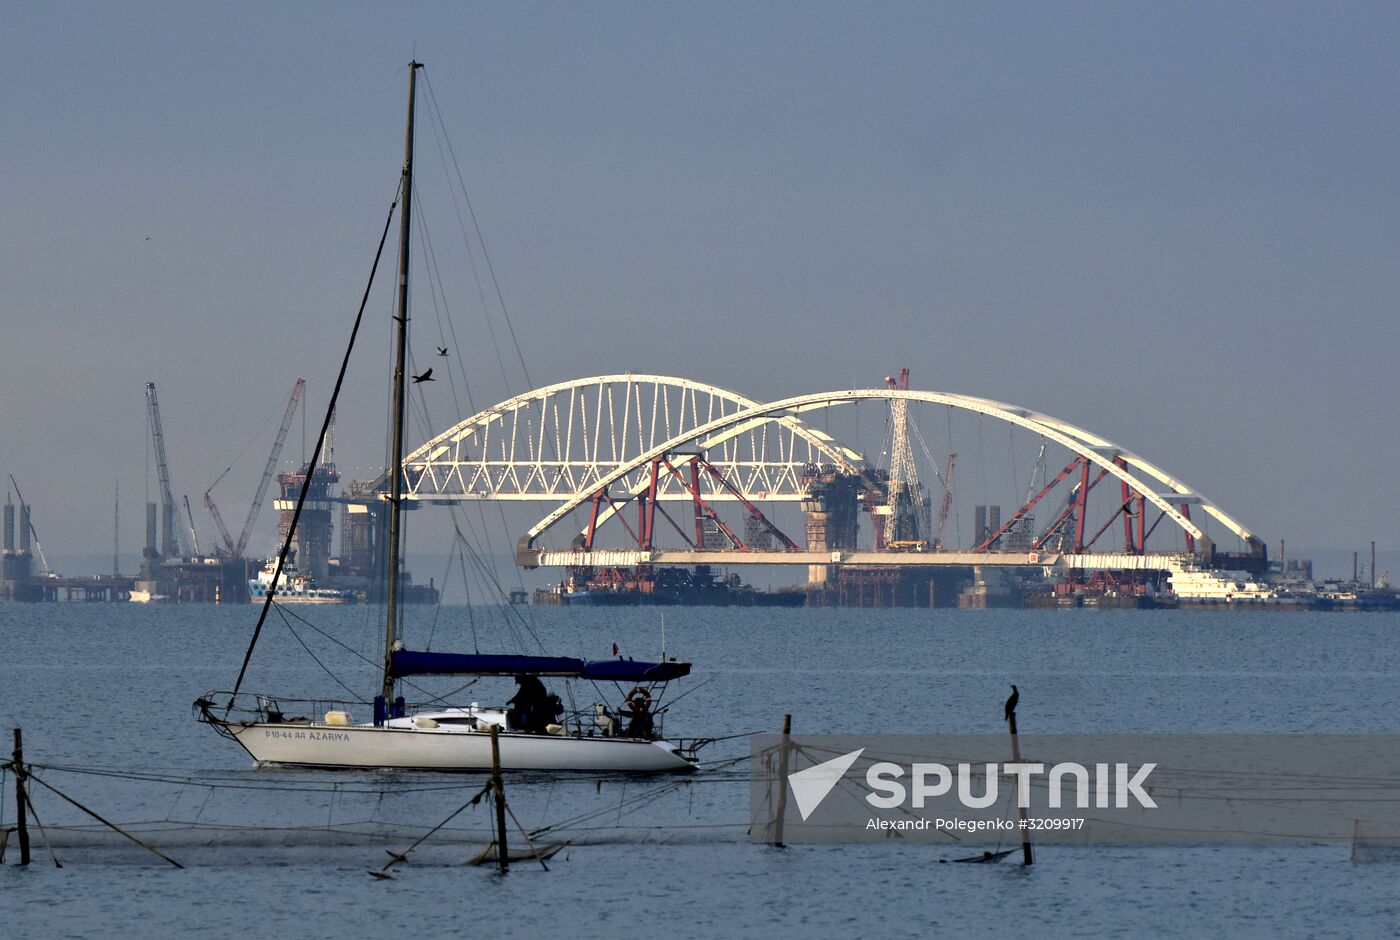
[609, 454]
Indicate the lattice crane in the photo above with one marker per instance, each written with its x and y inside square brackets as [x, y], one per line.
[171, 529]
[907, 522]
[947, 503]
[26, 519]
[227, 547]
[235, 549]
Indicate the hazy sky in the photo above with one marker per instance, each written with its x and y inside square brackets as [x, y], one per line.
[1174, 224]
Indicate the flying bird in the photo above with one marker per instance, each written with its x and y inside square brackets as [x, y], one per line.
[425, 377]
[1011, 703]
[442, 350]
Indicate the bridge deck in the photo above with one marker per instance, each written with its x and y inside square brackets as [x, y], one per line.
[1062, 561]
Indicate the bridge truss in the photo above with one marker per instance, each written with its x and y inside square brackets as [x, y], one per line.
[559, 443]
[619, 446]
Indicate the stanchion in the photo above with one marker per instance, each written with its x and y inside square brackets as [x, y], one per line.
[780, 809]
[22, 818]
[502, 852]
[1027, 857]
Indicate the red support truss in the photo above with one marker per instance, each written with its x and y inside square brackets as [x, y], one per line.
[990, 540]
[648, 505]
[1075, 505]
[1082, 507]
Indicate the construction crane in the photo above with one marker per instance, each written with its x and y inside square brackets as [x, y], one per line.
[907, 522]
[169, 530]
[235, 549]
[189, 514]
[946, 505]
[227, 547]
[27, 518]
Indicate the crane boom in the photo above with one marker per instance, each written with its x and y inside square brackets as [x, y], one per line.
[29, 520]
[194, 539]
[947, 503]
[219, 522]
[269, 470]
[163, 466]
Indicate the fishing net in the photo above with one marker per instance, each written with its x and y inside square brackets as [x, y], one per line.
[1375, 842]
[261, 817]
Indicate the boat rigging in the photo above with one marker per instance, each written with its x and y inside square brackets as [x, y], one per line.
[534, 731]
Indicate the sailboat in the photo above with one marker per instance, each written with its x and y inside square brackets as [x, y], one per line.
[536, 735]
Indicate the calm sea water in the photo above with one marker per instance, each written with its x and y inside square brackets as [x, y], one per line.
[109, 687]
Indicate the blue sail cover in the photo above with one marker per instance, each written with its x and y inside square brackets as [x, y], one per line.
[414, 663]
[627, 670]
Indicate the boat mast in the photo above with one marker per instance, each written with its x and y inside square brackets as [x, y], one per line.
[391, 597]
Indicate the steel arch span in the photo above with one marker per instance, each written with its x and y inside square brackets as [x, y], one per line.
[1147, 482]
[560, 442]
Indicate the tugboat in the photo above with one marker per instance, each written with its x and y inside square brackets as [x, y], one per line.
[1194, 584]
[293, 587]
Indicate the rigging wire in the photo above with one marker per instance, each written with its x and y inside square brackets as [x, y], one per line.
[320, 441]
[928, 456]
[486, 256]
[248, 443]
[480, 558]
[314, 658]
[437, 610]
[508, 610]
[447, 154]
[435, 271]
[285, 612]
[438, 294]
[467, 589]
[440, 135]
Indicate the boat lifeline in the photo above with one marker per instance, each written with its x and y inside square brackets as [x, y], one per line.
[535, 733]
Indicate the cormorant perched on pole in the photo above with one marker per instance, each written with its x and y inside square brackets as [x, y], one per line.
[1027, 855]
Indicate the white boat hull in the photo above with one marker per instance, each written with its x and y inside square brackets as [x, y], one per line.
[302, 599]
[374, 747]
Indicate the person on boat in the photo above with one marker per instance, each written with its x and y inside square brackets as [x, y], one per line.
[530, 706]
[641, 724]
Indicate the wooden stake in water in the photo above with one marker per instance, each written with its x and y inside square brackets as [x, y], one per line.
[1027, 857]
[781, 808]
[22, 818]
[502, 852]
